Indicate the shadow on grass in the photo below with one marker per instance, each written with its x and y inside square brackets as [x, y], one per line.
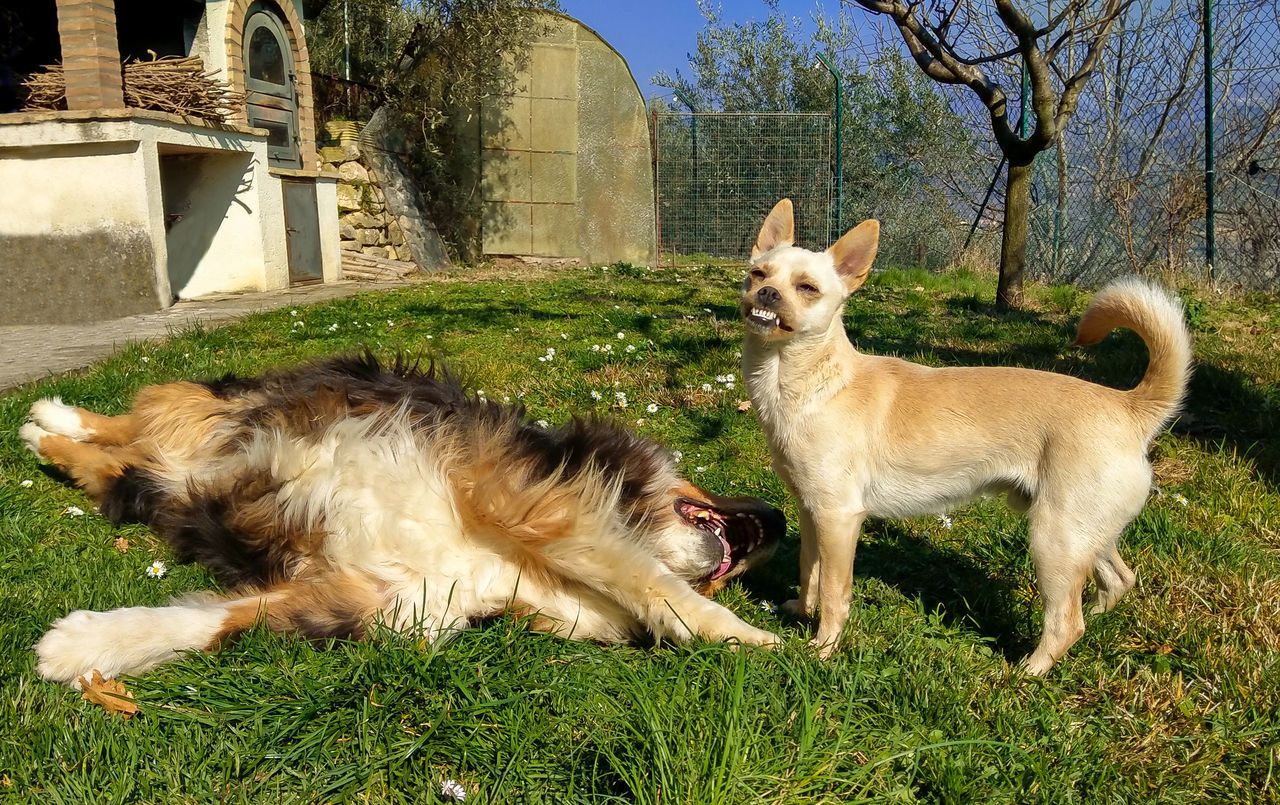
[963, 590]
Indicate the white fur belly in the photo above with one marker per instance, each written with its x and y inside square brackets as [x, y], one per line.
[389, 514]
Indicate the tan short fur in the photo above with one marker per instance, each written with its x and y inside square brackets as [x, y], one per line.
[856, 435]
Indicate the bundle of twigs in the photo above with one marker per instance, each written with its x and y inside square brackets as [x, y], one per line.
[177, 84]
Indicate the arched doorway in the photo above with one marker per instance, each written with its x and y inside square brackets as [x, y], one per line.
[271, 84]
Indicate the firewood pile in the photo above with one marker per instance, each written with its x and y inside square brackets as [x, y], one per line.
[357, 266]
[176, 84]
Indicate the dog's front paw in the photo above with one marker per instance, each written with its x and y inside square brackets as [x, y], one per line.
[796, 609]
[30, 433]
[1036, 664]
[55, 416]
[825, 646]
[751, 636]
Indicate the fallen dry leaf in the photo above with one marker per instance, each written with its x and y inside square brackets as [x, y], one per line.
[109, 694]
[121, 544]
[744, 406]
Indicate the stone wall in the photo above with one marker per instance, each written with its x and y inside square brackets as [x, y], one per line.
[364, 223]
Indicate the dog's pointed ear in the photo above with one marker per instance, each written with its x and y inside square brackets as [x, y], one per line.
[779, 229]
[854, 253]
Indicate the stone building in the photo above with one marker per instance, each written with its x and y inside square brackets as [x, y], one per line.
[109, 210]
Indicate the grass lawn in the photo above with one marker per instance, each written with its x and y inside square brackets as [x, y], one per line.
[1171, 697]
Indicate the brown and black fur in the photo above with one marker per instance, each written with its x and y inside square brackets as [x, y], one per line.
[325, 497]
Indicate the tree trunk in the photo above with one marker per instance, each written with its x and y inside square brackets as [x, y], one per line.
[1013, 244]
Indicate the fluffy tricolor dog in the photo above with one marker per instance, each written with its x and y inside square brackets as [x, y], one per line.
[856, 435]
[343, 493]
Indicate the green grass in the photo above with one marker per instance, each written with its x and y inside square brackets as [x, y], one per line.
[1172, 697]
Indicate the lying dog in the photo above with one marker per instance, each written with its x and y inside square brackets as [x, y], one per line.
[856, 435]
[344, 493]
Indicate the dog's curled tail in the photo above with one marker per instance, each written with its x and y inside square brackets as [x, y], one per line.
[1156, 315]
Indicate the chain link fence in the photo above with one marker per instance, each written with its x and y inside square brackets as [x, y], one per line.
[1126, 190]
[717, 175]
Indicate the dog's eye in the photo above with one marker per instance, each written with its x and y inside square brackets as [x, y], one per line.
[756, 274]
[805, 287]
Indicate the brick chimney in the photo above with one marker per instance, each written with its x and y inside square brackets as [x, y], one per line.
[90, 54]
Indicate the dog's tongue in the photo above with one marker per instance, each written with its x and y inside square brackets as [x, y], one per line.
[726, 562]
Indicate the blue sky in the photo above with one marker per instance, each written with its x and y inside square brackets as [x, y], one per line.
[655, 35]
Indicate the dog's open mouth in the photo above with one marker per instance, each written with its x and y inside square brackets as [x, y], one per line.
[764, 321]
[740, 534]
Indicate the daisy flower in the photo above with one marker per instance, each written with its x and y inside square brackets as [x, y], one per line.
[156, 570]
[452, 789]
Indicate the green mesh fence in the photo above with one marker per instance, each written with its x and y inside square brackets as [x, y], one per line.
[718, 174]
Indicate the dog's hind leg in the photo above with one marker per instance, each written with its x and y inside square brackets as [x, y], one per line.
[1113, 579]
[92, 468]
[133, 640]
[82, 425]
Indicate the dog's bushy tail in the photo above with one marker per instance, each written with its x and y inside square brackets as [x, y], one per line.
[1156, 315]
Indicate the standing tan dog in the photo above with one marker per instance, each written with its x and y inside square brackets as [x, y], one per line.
[856, 435]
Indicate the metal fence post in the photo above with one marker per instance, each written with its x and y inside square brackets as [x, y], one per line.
[839, 145]
[1210, 170]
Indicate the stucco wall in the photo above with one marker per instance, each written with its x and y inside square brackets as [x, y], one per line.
[566, 168]
[77, 245]
[112, 194]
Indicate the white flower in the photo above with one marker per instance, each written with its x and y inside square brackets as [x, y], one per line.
[390, 323]
[699, 469]
[564, 336]
[333, 328]
[652, 408]
[1182, 500]
[768, 606]
[595, 395]
[608, 347]
[145, 359]
[595, 347]
[27, 484]
[543, 359]
[293, 312]
[945, 520]
[73, 511]
[706, 310]
[640, 422]
[515, 329]
[737, 354]
[621, 335]
[631, 347]
[621, 395]
[429, 337]
[156, 570]
[542, 423]
[453, 790]
[480, 392]
[706, 387]
[677, 455]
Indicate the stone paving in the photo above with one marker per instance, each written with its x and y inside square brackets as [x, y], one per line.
[32, 352]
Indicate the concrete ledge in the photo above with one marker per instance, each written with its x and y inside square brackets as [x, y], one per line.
[125, 113]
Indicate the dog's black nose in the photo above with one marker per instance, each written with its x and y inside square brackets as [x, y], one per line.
[768, 295]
